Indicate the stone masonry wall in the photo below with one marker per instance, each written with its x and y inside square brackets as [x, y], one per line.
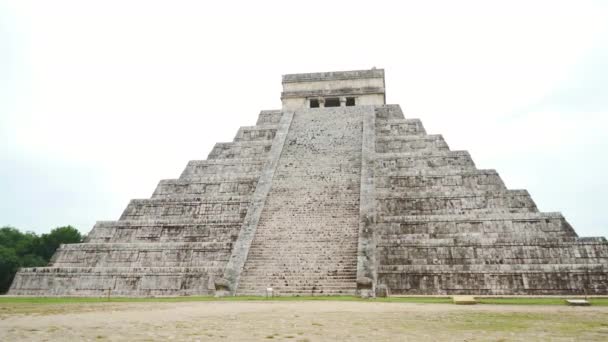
[337, 200]
[175, 243]
[445, 227]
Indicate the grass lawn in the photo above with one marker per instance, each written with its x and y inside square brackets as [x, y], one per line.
[298, 319]
[430, 300]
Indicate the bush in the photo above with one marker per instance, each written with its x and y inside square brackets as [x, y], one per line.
[19, 249]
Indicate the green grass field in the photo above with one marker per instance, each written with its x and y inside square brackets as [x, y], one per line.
[430, 300]
[304, 318]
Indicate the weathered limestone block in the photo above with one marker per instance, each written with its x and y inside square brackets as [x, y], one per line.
[192, 207]
[237, 186]
[245, 149]
[269, 117]
[256, 133]
[98, 281]
[511, 201]
[388, 112]
[399, 127]
[408, 143]
[197, 168]
[487, 252]
[143, 255]
[164, 231]
[445, 160]
[452, 181]
[497, 279]
[543, 224]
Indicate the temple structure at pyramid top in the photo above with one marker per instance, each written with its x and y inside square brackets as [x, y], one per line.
[333, 89]
[335, 193]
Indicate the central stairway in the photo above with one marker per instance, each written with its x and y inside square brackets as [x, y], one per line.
[306, 239]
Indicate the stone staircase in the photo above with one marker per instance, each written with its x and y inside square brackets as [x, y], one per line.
[329, 201]
[306, 239]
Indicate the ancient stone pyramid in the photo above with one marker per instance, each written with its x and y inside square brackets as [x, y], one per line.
[337, 193]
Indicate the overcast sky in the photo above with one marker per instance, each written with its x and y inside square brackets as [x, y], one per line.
[99, 100]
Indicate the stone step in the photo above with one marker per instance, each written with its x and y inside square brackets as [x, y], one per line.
[300, 270]
[388, 163]
[178, 188]
[476, 223]
[472, 236]
[309, 287]
[410, 143]
[298, 281]
[269, 117]
[257, 253]
[143, 254]
[195, 207]
[441, 181]
[318, 287]
[118, 281]
[148, 245]
[285, 237]
[439, 173]
[198, 168]
[211, 260]
[482, 240]
[328, 236]
[495, 260]
[388, 112]
[256, 133]
[452, 218]
[221, 177]
[494, 268]
[240, 149]
[297, 267]
[399, 127]
[171, 230]
[314, 196]
[295, 263]
[411, 203]
[583, 279]
[299, 264]
[218, 178]
[269, 253]
[260, 292]
[324, 240]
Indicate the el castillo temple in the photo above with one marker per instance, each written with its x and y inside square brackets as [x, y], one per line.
[335, 193]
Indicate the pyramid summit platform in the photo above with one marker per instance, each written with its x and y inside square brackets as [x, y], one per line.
[336, 193]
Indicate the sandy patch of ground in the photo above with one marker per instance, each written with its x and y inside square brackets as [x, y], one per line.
[299, 321]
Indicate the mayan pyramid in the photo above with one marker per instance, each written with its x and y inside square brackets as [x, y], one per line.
[336, 193]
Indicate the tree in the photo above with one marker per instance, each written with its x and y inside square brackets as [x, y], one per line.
[10, 236]
[19, 249]
[48, 243]
[9, 263]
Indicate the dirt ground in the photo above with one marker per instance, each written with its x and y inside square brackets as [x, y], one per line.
[299, 321]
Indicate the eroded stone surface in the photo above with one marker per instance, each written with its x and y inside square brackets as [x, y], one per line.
[352, 199]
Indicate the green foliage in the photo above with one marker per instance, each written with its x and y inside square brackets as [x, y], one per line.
[19, 249]
[48, 243]
[595, 301]
[9, 263]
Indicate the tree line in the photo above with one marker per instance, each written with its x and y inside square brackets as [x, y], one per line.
[18, 249]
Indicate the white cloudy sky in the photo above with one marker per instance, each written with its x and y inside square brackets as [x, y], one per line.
[101, 99]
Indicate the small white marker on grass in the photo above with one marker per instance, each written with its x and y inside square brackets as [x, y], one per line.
[464, 300]
[578, 302]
